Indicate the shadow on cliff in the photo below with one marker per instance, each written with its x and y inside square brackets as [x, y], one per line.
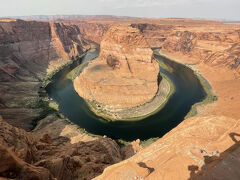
[143, 165]
[211, 161]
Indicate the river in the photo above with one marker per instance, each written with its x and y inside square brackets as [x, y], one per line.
[188, 91]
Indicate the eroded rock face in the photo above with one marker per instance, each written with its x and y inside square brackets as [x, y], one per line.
[125, 74]
[24, 156]
[29, 50]
[211, 47]
[15, 168]
[93, 31]
[213, 43]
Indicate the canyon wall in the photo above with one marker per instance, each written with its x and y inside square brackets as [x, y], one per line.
[213, 44]
[30, 50]
[55, 149]
[199, 148]
[93, 31]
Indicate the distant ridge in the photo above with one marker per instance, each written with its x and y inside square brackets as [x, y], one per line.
[56, 17]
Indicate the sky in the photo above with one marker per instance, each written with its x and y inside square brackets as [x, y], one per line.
[207, 9]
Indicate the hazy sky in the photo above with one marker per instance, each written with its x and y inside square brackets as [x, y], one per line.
[212, 9]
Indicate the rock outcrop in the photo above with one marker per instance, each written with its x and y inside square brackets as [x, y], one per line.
[11, 167]
[93, 31]
[192, 150]
[213, 48]
[24, 157]
[124, 75]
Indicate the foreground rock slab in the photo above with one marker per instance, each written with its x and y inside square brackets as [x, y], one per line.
[198, 147]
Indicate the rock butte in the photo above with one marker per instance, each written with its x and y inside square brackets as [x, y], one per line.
[202, 147]
[124, 75]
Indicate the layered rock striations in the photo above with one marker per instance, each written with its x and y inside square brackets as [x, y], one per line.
[202, 147]
[124, 75]
[30, 50]
[218, 47]
[214, 43]
[93, 31]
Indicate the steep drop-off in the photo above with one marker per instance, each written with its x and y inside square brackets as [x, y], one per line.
[29, 51]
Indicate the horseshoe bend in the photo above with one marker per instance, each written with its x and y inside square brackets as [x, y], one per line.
[125, 74]
[105, 97]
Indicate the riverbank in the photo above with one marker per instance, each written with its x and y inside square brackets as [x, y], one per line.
[52, 73]
[210, 95]
[50, 115]
[223, 98]
[44, 102]
[187, 91]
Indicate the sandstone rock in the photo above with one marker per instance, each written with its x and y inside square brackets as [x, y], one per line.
[14, 168]
[55, 127]
[80, 160]
[46, 139]
[125, 74]
[25, 157]
[183, 151]
[131, 149]
[17, 140]
[215, 44]
[28, 48]
[93, 31]
[131, 171]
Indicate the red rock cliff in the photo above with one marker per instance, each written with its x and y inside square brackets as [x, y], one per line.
[28, 51]
[215, 44]
[30, 48]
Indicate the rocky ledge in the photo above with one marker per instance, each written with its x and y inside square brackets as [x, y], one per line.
[24, 156]
[125, 74]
